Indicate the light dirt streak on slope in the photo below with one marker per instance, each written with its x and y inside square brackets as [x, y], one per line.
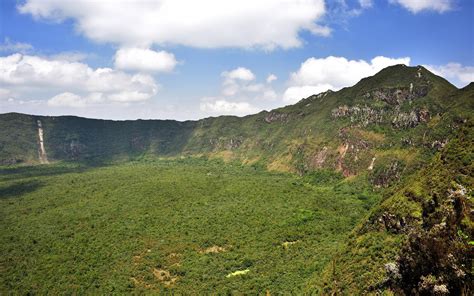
[42, 152]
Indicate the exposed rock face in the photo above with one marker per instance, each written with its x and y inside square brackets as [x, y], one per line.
[396, 96]
[226, 143]
[320, 158]
[323, 94]
[393, 223]
[234, 143]
[385, 176]
[342, 153]
[438, 145]
[362, 116]
[393, 272]
[410, 119]
[276, 116]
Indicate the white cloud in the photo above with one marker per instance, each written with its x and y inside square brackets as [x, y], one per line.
[416, 6]
[320, 30]
[456, 73]
[67, 99]
[241, 82]
[263, 24]
[10, 46]
[295, 93]
[241, 94]
[271, 78]
[240, 73]
[146, 60]
[317, 75]
[235, 80]
[31, 75]
[270, 95]
[224, 107]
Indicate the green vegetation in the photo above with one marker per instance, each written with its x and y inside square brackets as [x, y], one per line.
[367, 190]
[424, 227]
[115, 229]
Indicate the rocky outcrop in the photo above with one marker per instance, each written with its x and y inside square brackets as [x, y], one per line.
[363, 116]
[438, 145]
[276, 117]
[226, 143]
[319, 159]
[384, 176]
[410, 119]
[359, 115]
[397, 96]
[393, 223]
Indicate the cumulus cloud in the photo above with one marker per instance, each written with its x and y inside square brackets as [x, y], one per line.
[416, 6]
[146, 60]
[218, 106]
[236, 80]
[67, 99]
[456, 73]
[317, 75]
[31, 75]
[240, 73]
[263, 24]
[241, 82]
[271, 78]
[241, 94]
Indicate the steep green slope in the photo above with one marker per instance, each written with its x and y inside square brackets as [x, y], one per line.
[419, 240]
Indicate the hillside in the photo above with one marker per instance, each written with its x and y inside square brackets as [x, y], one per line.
[395, 150]
[400, 108]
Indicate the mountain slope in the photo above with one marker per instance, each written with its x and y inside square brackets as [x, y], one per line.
[418, 241]
[398, 107]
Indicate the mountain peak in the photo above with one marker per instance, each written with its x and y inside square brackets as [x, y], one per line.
[404, 76]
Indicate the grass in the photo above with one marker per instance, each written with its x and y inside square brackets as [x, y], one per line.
[169, 226]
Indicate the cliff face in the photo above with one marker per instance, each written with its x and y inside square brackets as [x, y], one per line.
[373, 123]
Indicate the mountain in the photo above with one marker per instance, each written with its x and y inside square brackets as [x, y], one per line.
[401, 108]
[404, 131]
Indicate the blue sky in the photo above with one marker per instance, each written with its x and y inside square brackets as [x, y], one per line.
[184, 59]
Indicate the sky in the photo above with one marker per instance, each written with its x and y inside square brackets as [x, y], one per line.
[190, 59]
